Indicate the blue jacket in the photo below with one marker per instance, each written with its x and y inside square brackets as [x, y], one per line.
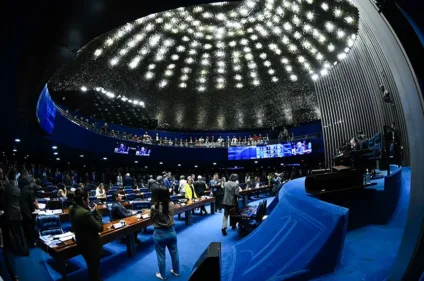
[119, 211]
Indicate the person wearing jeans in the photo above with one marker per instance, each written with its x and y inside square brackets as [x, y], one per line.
[164, 235]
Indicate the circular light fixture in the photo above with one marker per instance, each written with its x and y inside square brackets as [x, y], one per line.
[136, 162]
[14, 150]
[145, 167]
[256, 162]
[160, 163]
[54, 147]
[17, 140]
[81, 155]
[214, 163]
[104, 158]
[179, 165]
[195, 166]
[55, 153]
[57, 159]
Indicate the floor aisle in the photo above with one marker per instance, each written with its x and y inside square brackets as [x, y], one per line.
[368, 252]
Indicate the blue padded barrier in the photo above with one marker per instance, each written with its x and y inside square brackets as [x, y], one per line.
[301, 238]
[385, 201]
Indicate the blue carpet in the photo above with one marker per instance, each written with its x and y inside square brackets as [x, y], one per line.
[368, 252]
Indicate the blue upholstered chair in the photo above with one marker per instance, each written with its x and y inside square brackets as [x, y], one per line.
[51, 188]
[42, 200]
[109, 198]
[92, 198]
[112, 191]
[130, 196]
[147, 195]
[144, 189]
[49, 225]
[175, 198]
[128, 188]
[66, 203]
[92, 193]
[139, 205]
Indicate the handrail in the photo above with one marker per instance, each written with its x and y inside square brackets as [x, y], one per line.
[186, 142]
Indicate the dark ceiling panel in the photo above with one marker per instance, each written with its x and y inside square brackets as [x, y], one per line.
[213, 66]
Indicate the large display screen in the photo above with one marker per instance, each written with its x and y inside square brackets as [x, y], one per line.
[46, 111]
[269, 151]
[121, 148]
[142, 151]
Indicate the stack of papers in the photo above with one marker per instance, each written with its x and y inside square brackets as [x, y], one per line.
[41, 205]
[49, 212]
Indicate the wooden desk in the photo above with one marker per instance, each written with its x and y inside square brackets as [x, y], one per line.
[245, 193]
[69, 249]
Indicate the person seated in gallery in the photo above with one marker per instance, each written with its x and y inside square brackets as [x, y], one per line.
[101, 192]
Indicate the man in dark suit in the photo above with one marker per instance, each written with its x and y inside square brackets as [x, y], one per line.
[158, 184]
[13, 214]
[200, 186]
[150, 182]
[128, 181]
[231, 190]
[120, 212]
[28, 206]
[86, 224]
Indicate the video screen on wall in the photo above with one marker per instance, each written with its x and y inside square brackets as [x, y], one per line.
[121, 148]
[142, 151]
[269, 151]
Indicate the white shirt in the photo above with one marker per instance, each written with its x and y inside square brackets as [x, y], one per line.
[99, 193]
[181, 186]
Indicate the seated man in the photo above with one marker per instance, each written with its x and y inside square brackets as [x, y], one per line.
[120, 212]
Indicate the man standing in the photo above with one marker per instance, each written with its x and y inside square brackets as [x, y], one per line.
[231, 190]
[155, 187]
[28, 206]
[200, 186]
[150, 182]
[216, 189]
[13, 214]
[276, 181]
[167, 182]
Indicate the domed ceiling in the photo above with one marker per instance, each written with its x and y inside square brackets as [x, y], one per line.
[217, 66]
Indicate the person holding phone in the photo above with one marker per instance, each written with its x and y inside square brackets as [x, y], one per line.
[86, 224]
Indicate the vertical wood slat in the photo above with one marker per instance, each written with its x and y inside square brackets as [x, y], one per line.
[350, 93]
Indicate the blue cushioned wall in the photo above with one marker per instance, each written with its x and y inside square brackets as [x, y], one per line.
[301, 238]
[386, 200]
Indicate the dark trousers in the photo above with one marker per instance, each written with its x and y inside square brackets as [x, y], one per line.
[28, 228]
[93, 267]
[17, 237]
[218, 201]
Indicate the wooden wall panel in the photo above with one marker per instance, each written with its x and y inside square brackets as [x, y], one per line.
[350, 98]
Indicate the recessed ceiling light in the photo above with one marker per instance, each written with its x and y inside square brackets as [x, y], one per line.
[17, 140]
[136, 162]
[104, 158]
[56, 153]
[54, 147]
[214, 163]
[81, 155]
[57, 159]
[195, 166]
[160, 163]
[179, 165]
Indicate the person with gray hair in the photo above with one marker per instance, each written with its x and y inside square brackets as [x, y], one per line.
[231, 191]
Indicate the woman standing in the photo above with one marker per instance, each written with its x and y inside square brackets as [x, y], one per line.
[164, 235]
[86, 225]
